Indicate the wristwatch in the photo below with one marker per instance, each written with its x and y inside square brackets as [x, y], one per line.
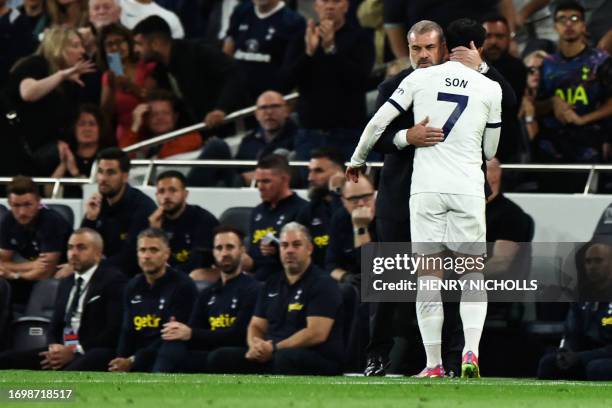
[330, 50]
[529, 119]
[483, 68]
[16, 275]
[360, 231]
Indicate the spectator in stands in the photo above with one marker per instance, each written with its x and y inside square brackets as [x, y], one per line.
[103, 13]
[191, 13]
[189, 227]
[157, 116]
[16, 41]
[32, 239]
[575, 95]
[123, 91]
[221, 314]
[275, 131]
[325, 179]
[351, 227]
[330, 68]
[71, 13]
[206, 80]
[158, 295]
[84, 329]
[35, 12]
[279, 206]
[496, 50]
[295, 327]
[76, 160]
[533, 62]
[44, 90]
[258, 37]
[135, 11]
[117, 211]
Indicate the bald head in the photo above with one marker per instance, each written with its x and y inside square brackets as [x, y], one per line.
[598, 264]
[85, 248]
[271, 111]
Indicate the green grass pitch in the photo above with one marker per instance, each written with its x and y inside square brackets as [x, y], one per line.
[164, 390]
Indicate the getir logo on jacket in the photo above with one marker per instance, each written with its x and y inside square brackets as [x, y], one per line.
[221, 322]
[141, 322]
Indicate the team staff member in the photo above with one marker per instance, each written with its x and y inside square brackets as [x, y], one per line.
[325, 176]
[279, 206]
[84, 328]
[189, 227]
[295, 327]
[117, 211]
[221, 313]
[32, 239]
[159, 295]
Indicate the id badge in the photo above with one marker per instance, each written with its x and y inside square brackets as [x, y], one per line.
[71, 339]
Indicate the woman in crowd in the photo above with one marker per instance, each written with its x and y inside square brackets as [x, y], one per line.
[533, 62]
[68, 13]
[45, 89]
[124, 90]
[90, 135]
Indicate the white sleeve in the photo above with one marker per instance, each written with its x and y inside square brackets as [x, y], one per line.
[492, 131]
[398, 103]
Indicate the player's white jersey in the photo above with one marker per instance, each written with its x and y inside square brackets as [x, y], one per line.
[462, 102]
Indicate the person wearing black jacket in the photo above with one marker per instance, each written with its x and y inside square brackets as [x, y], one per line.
[398, 143]
[221, 313]
[207, 80]
[157, 296]
[117, 211]
[85, 325]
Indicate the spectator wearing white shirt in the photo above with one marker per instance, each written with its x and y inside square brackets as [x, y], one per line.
[134, 11]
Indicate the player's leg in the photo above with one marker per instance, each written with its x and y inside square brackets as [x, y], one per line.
[466, 235]
[427, 227]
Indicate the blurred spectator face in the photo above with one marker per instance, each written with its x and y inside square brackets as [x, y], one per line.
[83, 253]
[87, 130]
[360, 194]
[34, 4]
[117, 43]
[227, 250]
[144, 48]
[271, 183]
[334, 10]
[570, 25]
[598, 265]
[171, 194]
[533, 71]
[24, 207]
[320, 171]
[271, 111]
[426, 49]
[265, 4]
[295, 252]
[153, 255]
[161, 117]
[497, 40]
[74, 51]
[111, 180]
[103, 12]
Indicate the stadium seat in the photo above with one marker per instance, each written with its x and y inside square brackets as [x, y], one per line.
[3, 211]
[30, 332]
[42, 299]
[237, 217]
[5, 311]
[64, 210]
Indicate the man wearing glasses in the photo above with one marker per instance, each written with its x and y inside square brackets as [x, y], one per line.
[575, 103]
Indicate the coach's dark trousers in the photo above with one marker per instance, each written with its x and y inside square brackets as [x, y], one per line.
[176, 357]
[299, 361]
[592, 365]
[93, 360]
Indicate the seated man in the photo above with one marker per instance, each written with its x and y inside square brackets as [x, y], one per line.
[190, 227]
[85, 325]
[222, 312]
[32, 239]
[295, 327]
[157, 296]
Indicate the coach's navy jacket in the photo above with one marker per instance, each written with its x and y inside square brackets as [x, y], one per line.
[588, 326]
[147, 308]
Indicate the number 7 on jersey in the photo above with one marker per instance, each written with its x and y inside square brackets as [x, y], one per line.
[461, 101]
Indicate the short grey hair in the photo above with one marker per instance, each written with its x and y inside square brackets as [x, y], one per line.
[296, 226]
[95, 236]
[155, 233]
[426, 26]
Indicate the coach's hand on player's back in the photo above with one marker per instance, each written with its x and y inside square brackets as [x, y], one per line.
[420, 135]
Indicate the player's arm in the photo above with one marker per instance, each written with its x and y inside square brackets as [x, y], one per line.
[490, 139]
[316, 332]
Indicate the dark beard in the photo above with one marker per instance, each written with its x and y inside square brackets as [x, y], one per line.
[317, 193]
[173, 211]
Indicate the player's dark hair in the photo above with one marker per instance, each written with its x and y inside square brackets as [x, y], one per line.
[495, 18]
[330, 154]
[157, 233]
[460, 32]
[172, 174]
[153, 26]
[225, 229]
[274, 162]
[564, 5]
[115, 153]
[21, 185]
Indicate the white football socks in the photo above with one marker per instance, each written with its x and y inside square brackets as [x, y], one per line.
[473, 311]
[430, 316]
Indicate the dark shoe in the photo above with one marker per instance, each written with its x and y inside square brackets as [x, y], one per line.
[376, 366]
